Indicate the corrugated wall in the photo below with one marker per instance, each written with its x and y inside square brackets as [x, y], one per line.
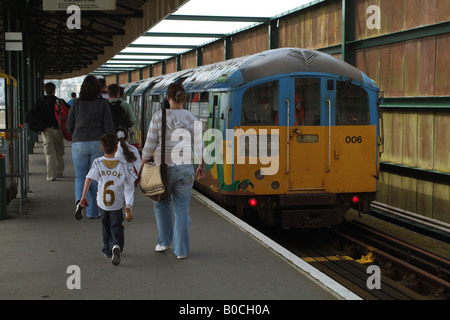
[407, 67]
[313, 28]
[415, 136]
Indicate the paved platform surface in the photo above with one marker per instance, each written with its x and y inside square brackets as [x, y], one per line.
[224, 263]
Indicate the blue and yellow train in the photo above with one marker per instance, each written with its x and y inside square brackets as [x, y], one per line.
[296, 133]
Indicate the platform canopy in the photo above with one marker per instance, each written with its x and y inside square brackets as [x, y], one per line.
[64, 53]
[194, 25]
[131, 35]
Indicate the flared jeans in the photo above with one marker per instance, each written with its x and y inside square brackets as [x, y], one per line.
[174, 227]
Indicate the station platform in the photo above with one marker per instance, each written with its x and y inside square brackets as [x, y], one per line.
[227, 261]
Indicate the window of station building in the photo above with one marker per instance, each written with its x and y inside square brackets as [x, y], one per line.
[260, 105]
[352, 105]
[307, 102]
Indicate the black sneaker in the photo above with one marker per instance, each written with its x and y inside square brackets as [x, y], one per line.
[79, 211]
[115, 255]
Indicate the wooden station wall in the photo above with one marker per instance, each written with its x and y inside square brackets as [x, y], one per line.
[416, 136]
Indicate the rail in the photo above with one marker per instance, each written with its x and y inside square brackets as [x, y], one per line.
[436, 224]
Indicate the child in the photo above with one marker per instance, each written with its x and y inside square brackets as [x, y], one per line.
[114, 180]
[128, 154]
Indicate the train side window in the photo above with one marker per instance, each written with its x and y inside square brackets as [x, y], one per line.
[307, 102]
[352, 105]
[204, 110]
[156, 104]
[260, 105]
[194, 106]
[215, 111]
[188, 98]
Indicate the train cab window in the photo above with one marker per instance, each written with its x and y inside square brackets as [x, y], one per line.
[307, 102]
[260, 105]
[352, 105]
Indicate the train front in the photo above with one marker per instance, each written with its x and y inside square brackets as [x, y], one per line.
[303, 144]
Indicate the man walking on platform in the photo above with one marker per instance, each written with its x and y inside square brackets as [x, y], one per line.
[114, 97]
[52, 136]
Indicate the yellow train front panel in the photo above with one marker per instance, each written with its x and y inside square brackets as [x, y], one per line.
[316, 160]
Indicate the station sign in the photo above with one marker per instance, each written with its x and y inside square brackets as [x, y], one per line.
[13, 41]
[87, 5]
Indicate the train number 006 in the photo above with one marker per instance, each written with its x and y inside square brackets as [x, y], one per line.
[354, 139]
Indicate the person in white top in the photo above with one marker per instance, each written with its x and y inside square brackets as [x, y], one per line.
[115, 185]
[129, 154]
[126, 152]
[174, 227]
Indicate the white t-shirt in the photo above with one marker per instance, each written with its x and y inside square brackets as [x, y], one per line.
[115, 183]
[183, 134]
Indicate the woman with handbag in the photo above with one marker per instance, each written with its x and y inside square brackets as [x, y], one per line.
[180, 173]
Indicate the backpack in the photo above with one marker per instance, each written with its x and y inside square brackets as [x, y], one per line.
[61, 113]
[118, 114]
[35, 120]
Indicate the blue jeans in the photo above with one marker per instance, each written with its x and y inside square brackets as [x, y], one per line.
[83, 154]
[181, 180]
[112, 230]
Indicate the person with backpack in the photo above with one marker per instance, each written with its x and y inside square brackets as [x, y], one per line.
[126, 121]
[51, 132]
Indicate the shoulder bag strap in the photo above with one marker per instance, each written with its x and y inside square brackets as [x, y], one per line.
[163, 136]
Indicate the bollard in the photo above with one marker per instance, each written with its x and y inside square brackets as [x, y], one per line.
[3, 213]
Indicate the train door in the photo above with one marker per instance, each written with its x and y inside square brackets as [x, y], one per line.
[307, 135]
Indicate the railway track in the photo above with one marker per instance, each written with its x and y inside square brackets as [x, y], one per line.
[355, 254]
[374, 265]
[407, 266]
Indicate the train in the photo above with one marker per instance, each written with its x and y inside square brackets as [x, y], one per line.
[296, 133]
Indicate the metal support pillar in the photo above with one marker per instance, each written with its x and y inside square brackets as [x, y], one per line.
[348, 30]
[179, 57]
[273, 34]
[227, 47]
[199, 57]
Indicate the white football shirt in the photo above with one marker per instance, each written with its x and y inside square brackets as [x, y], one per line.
[115, 183]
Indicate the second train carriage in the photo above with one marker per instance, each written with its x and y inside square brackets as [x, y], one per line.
[298, 130]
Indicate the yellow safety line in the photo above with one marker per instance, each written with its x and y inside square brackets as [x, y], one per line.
[329, 258]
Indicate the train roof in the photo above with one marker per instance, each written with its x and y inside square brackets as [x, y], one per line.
[233, 73]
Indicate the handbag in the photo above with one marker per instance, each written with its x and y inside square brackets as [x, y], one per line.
[154, 178]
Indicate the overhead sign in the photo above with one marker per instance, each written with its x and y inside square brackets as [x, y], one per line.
[88, 5]
[13, 41]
